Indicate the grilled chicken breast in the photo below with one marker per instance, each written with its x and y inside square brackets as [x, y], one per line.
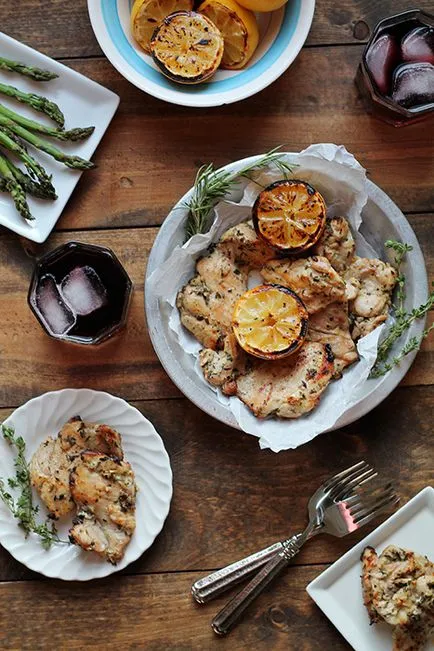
[104, 490]
[313, 279]
[331, 326]
[398, 588]
[53, 461]
[337, 244]
[369, 287]
[287, 388]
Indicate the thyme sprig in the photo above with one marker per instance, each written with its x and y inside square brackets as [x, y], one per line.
[22, 507]
[404, 319]
[211, 185]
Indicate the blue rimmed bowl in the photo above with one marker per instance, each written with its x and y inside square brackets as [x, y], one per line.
[283, 33]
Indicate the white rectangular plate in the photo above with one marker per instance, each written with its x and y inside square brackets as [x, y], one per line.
[338, 590]
[84, 103]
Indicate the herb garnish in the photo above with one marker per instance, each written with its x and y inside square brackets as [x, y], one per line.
[22, 507]
[404, 319]
[212, 185]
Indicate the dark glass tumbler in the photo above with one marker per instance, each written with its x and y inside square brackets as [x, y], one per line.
[80, 293]
[392, 77]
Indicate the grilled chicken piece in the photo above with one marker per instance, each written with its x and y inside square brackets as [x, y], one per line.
[207, 302]
[331, 326]
[219, 367]
[313, 279]
[398, 588]
[337, 244]
[369, 287]
[53, 461]
[49, 472]
[104, 490]
[287, 388]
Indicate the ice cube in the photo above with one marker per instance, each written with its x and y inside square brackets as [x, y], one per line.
[83, 290]
[418, 45]
[381, 59]
[54, 312]
[413, 84]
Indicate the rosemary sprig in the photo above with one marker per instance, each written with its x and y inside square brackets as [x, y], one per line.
[212, 185]
[22, 507]
[404, 319]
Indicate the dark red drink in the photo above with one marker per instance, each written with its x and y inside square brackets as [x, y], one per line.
[80, 293]
[396, 75]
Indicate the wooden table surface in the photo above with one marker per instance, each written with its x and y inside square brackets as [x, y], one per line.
[230, 498]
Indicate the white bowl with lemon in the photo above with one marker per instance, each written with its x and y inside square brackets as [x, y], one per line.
[210, 53]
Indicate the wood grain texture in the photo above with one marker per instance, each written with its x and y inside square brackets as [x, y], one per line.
[156, 613]
[231, 499]
[150, 154]
[34, 363]
[62, 29]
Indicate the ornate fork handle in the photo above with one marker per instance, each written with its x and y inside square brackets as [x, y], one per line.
[231, 613]
[214, 584]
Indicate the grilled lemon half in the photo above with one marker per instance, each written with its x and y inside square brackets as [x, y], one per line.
[187, 47]
[270, 321]
[239, 28]
[146, 15]
[290, 216]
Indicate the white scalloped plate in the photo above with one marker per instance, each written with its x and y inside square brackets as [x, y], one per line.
[144, 449]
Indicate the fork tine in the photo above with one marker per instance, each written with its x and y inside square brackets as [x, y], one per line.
[330, 483]
[352, 482]
[359, 502]
[368, 514]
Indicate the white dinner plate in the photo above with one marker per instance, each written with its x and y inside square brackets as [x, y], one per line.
[143, 448]
[338, 590]
[382, 220]
[84, 103]
[282, 34]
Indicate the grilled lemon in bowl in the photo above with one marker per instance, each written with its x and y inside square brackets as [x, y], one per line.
[146, 15]
[239, 28]
[270, 322]
[187, 47]
[262, 5]
[290, 216]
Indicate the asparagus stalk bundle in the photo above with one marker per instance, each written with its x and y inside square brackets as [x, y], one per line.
[17, 193]
[79, 133]
[74, 162]
[34, 168]
[37, 102]
[28, 184]
[27, 70]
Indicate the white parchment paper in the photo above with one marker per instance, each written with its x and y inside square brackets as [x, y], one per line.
[342, 182]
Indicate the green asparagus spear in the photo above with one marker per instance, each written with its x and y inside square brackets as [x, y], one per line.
[75, 162]
[35, 169]
[29, 185]
[17, 192]
[37, 102]
[72, 134]
[27, 70]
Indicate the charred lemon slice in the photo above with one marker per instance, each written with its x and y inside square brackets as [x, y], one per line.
[187, 47]
[239, 28]
[290, 216]
[146, 15]
[270, 321]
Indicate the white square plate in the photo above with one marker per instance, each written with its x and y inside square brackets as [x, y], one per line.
[84, 103]
[338, 590]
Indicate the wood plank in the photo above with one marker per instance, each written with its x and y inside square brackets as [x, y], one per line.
[62, 29]
[156, 612]
[127, 365]
[150, 154]
[231, 499]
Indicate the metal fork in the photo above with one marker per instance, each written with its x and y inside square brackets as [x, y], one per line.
[341, 506]
[339, 486]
